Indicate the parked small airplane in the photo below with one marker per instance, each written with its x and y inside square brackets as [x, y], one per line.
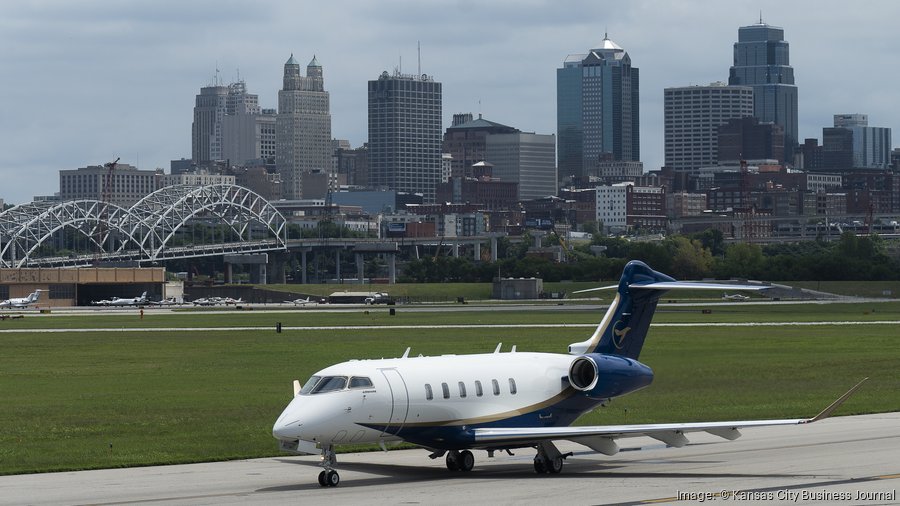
[168, 301]
[21, 302]
[228, 301]
[133, 301]
[453, 404]
[735, 296]
[302, 302]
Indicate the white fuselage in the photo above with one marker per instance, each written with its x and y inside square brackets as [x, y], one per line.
[417, 398]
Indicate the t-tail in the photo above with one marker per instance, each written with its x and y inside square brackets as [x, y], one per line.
[624, 326]
[34, 296]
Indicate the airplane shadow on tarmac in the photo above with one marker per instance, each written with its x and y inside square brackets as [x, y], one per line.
[392, 474]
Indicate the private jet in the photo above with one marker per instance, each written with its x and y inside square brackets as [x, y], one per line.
[124, 301]
[453, 404]
[21, 302]
[735, 297]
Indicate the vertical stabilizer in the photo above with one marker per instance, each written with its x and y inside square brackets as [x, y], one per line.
[625, 324]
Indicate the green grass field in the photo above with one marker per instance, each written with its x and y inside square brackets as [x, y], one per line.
[105, 399]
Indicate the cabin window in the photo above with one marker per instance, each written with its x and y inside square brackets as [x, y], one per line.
[478, 390]
[360, 382]
[496, 385]
[512, 386]
[446, 389]
[428, 393]
[462, 389]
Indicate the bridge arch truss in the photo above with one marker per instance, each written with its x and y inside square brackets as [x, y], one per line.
[232, 219]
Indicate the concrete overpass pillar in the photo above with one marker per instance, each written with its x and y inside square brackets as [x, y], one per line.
[337, 264]
[303, 266]
[494, 248]
[262, 275]
[360, 268]
[392, 268]
[537, 241]
[477, 253]
[229, 276]
[455, 249]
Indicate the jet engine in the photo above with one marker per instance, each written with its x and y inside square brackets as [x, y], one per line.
[602, 376]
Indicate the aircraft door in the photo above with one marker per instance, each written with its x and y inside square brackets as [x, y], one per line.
[400, 401]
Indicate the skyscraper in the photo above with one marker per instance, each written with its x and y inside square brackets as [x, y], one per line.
[761, 61]
[692, 118]
[206, 130]
[302, 127]
[405, 133]
[248, 132]
[596, 109]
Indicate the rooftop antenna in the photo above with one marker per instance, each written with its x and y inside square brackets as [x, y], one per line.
[760, 17]
[401, 64]
[419, 55]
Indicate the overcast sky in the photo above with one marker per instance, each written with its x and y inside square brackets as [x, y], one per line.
[88, 81]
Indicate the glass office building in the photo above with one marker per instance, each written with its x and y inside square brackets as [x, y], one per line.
[761, 61]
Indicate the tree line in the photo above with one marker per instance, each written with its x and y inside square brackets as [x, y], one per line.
[697, 256]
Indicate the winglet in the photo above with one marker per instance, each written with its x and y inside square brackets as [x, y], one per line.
[836, 404]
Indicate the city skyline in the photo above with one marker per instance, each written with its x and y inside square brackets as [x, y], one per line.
[87, 83]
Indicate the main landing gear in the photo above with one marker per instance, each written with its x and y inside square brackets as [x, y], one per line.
[460, 460]
[549, 460]
[329, 477]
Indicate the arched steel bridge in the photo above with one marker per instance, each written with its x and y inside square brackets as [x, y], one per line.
[161, 226]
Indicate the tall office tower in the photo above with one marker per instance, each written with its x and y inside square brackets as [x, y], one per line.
[248, 132]
[853, 144]
[302, 128]
[524, 158]
[761, 61]
[465, 141]
[748, 139]
[206, 131]
[405, 133]
[692, 117]
[596, 109]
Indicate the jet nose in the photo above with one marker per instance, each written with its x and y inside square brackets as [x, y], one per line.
[287, 426]
[289, 430]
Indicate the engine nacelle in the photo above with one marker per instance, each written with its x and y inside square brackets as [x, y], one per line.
[603, 376]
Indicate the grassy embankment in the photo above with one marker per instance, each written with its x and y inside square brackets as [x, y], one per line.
[448, 292]
[92, 399]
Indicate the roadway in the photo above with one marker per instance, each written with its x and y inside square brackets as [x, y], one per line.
[794, 464]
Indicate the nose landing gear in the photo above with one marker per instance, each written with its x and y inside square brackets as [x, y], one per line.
[329, 477]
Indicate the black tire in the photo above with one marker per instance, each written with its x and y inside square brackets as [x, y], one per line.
[539, 466]
[554, 466]
[322, 481]
[332, 478]
[453, 460]
[466, 461]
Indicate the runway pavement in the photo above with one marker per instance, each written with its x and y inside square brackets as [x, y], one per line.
[843, 460]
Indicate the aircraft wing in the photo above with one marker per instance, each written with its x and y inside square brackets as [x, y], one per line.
[602, 438]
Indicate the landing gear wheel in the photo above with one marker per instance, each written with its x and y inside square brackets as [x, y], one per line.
[466, 461]
[332, 478]
[453, 460]
[539, 466]
[322, 481]
[554, 466]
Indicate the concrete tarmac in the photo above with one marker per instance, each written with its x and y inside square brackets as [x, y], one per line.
[842, 460]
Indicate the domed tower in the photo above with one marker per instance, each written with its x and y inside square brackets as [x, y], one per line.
[292, 77]
[314, 74]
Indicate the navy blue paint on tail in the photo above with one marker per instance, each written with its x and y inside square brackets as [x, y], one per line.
[627, 328]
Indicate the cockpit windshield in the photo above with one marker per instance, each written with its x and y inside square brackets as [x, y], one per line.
[322, 384]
